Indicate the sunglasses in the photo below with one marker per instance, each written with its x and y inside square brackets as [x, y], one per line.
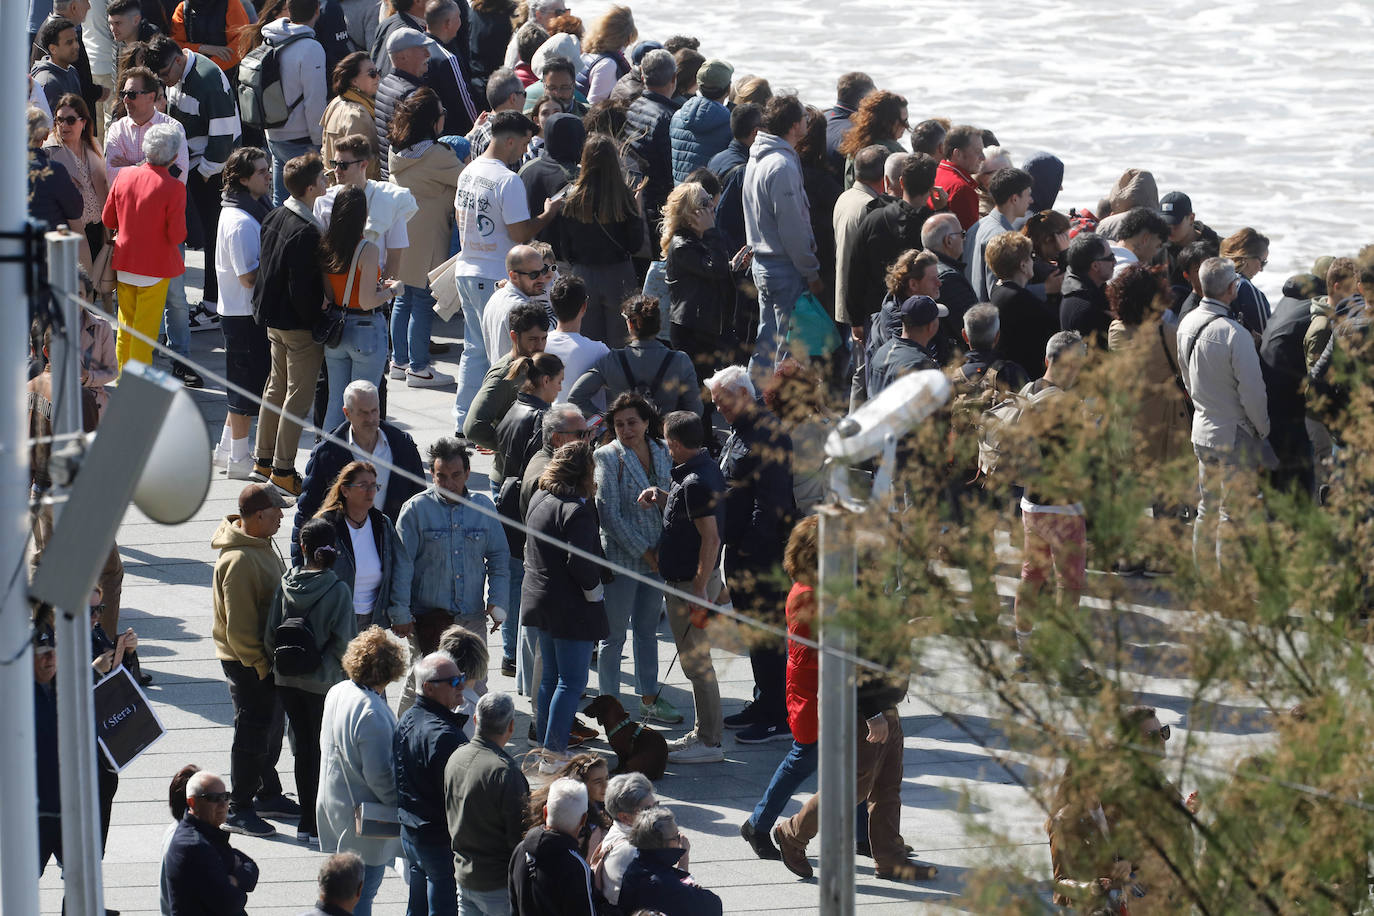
[339, 165]
[374, 73]
[456, 681]
[69, 120]
[535, 274]
[214, 798]
[132, 94]
[366, 487]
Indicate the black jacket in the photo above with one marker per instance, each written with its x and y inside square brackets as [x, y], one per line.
[1027, 325]
[289, 288]
[822, 190]
[756, 463]
[198, 864]
[395, 21]
[728, 165]
[54, 197]
[519, 437]
[698, 491]
[562, 591]
[597, 244]
[1283, 361]
[440, 77]
[838, 120]
[394, 88]
[957, 295]
[648, 121]
[328, 459]
[331, 31]
[895, 359]
[549, 877]
[488, 35]
[654, 882]
[701, 287]
[425, 737]
[1084, 309]
[881, 236]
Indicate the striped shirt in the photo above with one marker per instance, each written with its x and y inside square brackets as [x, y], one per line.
[205, 106]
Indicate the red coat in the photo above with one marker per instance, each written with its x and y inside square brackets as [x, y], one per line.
[146, 209]
[803, 666]
[963, 193]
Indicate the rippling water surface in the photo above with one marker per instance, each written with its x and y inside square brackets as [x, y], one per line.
[1254, 109]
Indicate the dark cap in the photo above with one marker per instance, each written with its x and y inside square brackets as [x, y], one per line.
[920, 310]
[43, 640]
[258, 496]
[1175, 207]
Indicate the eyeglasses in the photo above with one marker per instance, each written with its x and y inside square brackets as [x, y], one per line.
[455, 682]
[339, 165]
[97, 609]
[214, 798]
[365, 487]
[1162, 733]
[1110, 257]
[535, 274]
[131, 94]
[374, 73]
[69, 120]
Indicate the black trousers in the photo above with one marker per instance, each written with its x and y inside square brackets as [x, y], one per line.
[1297, 463]
[305, 710]
[258, 728]
[757, 591]
[202, 219]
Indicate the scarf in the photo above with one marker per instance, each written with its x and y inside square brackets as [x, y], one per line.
[238, 198]
[353, 95]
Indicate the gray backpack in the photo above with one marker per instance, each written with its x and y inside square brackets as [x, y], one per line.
[262, 100]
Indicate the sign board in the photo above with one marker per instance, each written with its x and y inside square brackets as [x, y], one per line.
[125, 723]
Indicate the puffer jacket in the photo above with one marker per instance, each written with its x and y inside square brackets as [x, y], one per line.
[431, 176]
[394, 88]
[698, 130]
[647, 122]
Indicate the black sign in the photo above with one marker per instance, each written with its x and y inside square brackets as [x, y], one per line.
[125, 723]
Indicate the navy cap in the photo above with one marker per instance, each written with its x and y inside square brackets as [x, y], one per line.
[921, 310]
[1175, 207]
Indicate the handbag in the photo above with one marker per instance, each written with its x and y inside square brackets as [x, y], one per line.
[102, 270]
[812, 330]
[371, 820]
[328, 329]
[443, 286]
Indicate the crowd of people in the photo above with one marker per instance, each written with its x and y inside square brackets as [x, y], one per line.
[672, 281]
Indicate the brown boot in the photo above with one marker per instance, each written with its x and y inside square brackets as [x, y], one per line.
[793, 854]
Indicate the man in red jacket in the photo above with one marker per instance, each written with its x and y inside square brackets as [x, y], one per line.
[963, 156]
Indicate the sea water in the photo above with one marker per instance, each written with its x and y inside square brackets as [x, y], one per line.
[1257, 110]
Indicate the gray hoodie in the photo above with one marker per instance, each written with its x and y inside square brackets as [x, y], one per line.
[777, 214]
[303, 78]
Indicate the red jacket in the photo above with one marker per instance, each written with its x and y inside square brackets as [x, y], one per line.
[963, 193]
[146, 209]
[803, 666]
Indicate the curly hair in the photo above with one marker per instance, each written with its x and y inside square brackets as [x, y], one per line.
[373, 659]
[683, 201]
[910, 265]
[1136, 293]
[802, 558]
[873, 122]
[613, 32]
[644, 316]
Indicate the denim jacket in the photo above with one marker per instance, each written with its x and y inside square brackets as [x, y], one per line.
[628, 529]
[454, 550]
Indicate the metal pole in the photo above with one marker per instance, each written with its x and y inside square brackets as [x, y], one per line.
[838, 789]
[19, 801]
[75, 703]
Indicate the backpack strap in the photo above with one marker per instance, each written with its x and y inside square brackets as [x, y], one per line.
[662, 371]
[1188, 360]
[630, 381]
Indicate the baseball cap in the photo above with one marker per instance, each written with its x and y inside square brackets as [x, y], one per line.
[258, 496]
[404, 40]
[919, 310]
[1175, 207]
[44, 641]
[715, 75]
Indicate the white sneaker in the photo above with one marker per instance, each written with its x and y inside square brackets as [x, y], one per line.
[689, 749]
[241, 468]
[398, 373]
[551, 763]
[219, 457]
[430, 378]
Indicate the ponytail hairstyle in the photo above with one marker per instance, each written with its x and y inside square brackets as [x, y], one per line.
[319, 544]
[531, 370]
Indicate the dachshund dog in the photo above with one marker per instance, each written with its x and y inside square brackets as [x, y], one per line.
[638, 748]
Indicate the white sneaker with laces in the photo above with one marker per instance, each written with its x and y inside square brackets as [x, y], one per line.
[430, 378]
[398, 373]
[690, 749]
[219, 457]
[240, 469]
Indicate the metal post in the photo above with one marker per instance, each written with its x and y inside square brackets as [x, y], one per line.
[19, 801]
[838, 788]
[75, 704]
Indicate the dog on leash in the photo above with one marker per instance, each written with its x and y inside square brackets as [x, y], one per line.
[638, 748]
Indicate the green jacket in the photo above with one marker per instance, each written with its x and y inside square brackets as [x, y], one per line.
[486, 796]
[322, 597]
[491, 404]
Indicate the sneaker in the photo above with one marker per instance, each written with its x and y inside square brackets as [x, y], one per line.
[240, 468]
[743, 718]
[689, 749]
[262, 473]
[219, 456]
[759, 842]
[793, 854]
[288, 482]
[660, 711]
[398, 372]
[551, 763]
[280, 807]
[247, 823]
[430, 378]
[758, 733]
[508, 667]
[306, 838]
[189, 377]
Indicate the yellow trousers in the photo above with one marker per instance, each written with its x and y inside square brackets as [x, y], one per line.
[140, 307]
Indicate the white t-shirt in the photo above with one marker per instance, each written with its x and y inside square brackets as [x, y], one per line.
[367, 576]
[578, 353]
[496, 320]
[237, 250]
[489, 198]
[395, 235]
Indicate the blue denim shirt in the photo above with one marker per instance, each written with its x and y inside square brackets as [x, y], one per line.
[454, 550]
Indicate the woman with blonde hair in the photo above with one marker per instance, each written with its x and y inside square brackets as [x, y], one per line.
[369, 547]
[1249, 251]
[881, 120]
[355, 755]
[603, 53]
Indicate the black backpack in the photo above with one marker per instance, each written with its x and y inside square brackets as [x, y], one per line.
[645, 391]
[297, 651]
[262, 100]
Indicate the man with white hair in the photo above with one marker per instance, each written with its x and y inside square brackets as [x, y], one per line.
[1221, 369]
[369, 438]
[548, 876]
[627, 795]
[942, 236]
[426, 736]
[657, 877]
[756, 463]
[203, 873]
[485, 797]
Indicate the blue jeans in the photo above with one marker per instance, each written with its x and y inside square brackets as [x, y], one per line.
[780, 286]
[630, 604]
[283, 150]
[411, 318]
[372, 882]
[510, 629]
[474, 363]
[176, 315]
[433, 882]
[483, 903]
[361, 354]
[797, 767]
[565, 677]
